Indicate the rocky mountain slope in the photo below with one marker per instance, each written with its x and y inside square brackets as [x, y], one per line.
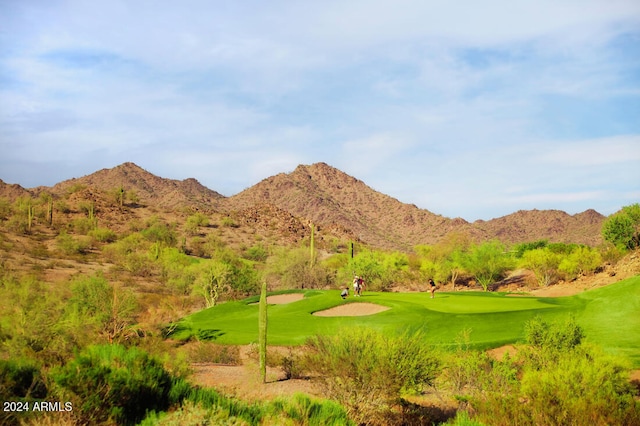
[332, 200]
[149, 189]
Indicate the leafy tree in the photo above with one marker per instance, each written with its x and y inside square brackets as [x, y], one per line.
[378, 268]
[487, 262]
[520, 249]
[290, 268]
[108, 310]
[582, 260]
[623, 227]
[220, 276]
[32, 320]
[543, 263]
[446, 257]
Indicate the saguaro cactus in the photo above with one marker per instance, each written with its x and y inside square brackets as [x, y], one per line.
[30, 214]
[262, 331]
[50, 210]
[312, 246]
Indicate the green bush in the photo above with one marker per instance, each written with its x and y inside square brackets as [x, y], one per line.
[256, 253]
[113, 383]
[103, 235]
[159, 232]
[554, 380]
[581, 387]
[367, 372]
[623, 228]
[303, 410]
[543, 263]
[20, 379]
[581, 261]
[70, 245]
[194, 222]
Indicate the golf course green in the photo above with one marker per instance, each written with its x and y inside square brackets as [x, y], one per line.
[609, 315]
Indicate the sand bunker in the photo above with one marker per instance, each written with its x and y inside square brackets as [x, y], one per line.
[352, 310]
[284, 298]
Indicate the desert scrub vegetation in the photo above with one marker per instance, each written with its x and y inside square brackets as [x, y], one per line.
[368, 372]
[553, 379]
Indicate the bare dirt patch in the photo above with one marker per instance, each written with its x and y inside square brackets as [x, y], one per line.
[354, 309]
[244, 381]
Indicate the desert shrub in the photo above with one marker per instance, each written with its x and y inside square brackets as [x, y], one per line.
[102, 309]
[159, 232]
[174, 270]
[211, 352]
[103, 235]
[543, 263]
[83, 225]
[303, 410]
[582, 260]
[20, 378]
[62, 207]
[582, 387]
[610, 253]
[32, 325]
[367, 372]
[113, 383]
[194, 222]
[131, 254]
[256, 253]
[228, 222]
[20, 382]
[17, 223]
[5, 209]
[548, 340]
[70, 245]
[190, 413]
[554, 379]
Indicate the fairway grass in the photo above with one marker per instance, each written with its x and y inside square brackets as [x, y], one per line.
[609, 315]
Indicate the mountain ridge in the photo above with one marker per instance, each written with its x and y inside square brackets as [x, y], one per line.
[328, 197]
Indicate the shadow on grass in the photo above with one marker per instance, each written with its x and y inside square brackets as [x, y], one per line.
[209, 335]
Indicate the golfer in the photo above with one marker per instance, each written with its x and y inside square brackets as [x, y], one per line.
[433, 288]
[345, 293]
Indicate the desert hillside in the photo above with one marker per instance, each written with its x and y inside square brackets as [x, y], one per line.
[327, 197]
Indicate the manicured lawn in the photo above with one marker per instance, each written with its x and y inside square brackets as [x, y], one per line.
[610, 317]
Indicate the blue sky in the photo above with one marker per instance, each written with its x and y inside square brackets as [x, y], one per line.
[468, 109]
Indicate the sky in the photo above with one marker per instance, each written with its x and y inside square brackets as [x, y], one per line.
[472, 109]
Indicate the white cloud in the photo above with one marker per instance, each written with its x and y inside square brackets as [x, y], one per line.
[593, 152]
[460, 107]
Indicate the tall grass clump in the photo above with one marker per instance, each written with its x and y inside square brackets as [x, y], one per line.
[367, 372]
[302, 410]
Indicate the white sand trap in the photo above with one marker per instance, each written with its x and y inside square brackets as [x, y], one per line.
[284, 298]
[356, 309]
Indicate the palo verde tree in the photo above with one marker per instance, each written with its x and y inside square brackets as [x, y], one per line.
[487, 262]
[543, 263]
[623, 228]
